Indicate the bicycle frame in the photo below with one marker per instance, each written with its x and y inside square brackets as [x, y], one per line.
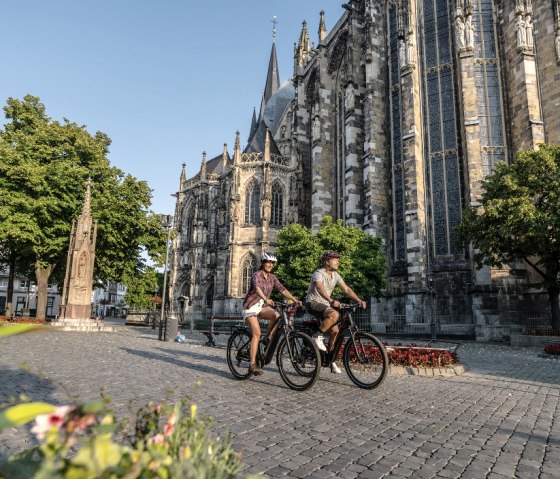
[268, 353]
[345, 323]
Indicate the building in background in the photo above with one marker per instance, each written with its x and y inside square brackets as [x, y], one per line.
[25, 297]
[389, 124]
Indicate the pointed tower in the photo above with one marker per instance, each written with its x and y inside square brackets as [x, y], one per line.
[303, 48]
[272, 80]
[322, 28]
[203, 166]
[78, 281]
[254, 125]
[183, 178]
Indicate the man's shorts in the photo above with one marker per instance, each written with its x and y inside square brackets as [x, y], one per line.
[253, 310]
[316, 309]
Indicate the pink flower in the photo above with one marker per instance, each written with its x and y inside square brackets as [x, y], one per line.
[45, 422]
[157, 439]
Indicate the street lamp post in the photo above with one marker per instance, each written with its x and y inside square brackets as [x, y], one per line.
[167, 222]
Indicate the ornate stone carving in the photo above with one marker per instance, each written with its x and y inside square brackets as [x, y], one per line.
[349, 97]
[316, 128]
[459, 30]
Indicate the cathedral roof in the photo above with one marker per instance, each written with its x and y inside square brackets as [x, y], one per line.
[256, 142]
[215, 165]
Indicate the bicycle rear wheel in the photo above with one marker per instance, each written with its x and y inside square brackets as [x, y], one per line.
[301, 369]
[365, 360]
[238, 353]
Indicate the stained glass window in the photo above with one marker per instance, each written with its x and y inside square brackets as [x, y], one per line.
[252, 204]
[249, 266]
[277, 205]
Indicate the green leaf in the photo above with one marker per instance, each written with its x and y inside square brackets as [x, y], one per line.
[23, 413]
[13, 329]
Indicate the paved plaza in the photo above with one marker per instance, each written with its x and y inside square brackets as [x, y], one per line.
[500, 419]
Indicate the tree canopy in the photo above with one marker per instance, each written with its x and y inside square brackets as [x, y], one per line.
[518, 218]
[362, 265]
[43, 173]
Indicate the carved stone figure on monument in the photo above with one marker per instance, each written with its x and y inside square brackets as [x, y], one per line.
[521, 32]
[460, 32]
[557, 45]
[82, 265]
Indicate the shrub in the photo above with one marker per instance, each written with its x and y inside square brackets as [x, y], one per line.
[77, 442]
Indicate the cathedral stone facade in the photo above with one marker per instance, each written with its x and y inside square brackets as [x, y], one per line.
[390, 123]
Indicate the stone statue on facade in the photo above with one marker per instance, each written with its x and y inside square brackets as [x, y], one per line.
[460, 31]
[402, 53]
[316, 127]
[349, 97]
[529, 30]
[469, 33]
[520, 31]
[557, 45]
[411, 53]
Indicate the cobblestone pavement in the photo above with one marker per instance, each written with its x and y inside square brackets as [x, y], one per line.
[501, 419]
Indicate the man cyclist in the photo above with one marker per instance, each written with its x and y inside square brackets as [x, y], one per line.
[258, 305]
[320, 304]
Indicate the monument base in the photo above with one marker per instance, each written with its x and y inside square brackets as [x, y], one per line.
[76, 311]
[82, 325]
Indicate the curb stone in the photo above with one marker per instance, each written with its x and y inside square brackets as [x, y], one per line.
[455, 370]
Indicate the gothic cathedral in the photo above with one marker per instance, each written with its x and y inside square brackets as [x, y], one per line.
[389, 124]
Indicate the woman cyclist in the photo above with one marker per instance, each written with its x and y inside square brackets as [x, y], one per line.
[258, 305]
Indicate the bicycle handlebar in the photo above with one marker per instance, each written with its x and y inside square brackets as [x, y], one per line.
[349, 306]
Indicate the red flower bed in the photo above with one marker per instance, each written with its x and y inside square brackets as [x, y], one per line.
[415, 356]
[541, 332]
[553, 348]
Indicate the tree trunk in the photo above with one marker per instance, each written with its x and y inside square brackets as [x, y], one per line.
[554, 306]
[42, 276]
[10, 292]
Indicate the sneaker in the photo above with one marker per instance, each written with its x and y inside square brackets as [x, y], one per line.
[318, 340]
[335, 369]
[255, 370]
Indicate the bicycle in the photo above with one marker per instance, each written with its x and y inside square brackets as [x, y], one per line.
[364, 356]
[298, 359]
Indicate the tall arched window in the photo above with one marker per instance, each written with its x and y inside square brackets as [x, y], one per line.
[399, 225]
[277, 211]
[252, 204]
[442, 148]
[249, 266]
[488, 88]
[188, 225]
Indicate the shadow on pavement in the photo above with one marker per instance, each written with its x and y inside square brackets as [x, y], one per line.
[178, 362]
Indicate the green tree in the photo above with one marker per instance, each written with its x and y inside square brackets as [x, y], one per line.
[518, 218]
[43, 172]
[362, 264]
[141, 288]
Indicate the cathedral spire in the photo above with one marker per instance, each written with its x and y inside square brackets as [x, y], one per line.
[272, 84]
[225, 156]
[253, 124]
[322, 28]
[86, 208]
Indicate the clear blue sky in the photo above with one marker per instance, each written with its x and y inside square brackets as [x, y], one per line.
[165, 80]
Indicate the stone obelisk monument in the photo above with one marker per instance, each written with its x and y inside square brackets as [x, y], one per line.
[78, 281]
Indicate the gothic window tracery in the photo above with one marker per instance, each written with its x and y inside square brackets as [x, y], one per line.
[252, 204]
[399, 225]
[488, 88]
[277, 212]
[442, 153]
[188, 224]
[248, 268]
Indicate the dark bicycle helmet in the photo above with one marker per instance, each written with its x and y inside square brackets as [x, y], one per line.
[329, 255]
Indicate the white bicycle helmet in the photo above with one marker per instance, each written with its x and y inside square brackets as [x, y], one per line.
[268, 257]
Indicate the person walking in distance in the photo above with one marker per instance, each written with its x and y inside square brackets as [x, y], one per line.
[258, 305]
[320, 304]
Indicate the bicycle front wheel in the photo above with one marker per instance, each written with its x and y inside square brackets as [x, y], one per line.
[238, 353]
[365, 360]
[299, 361]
